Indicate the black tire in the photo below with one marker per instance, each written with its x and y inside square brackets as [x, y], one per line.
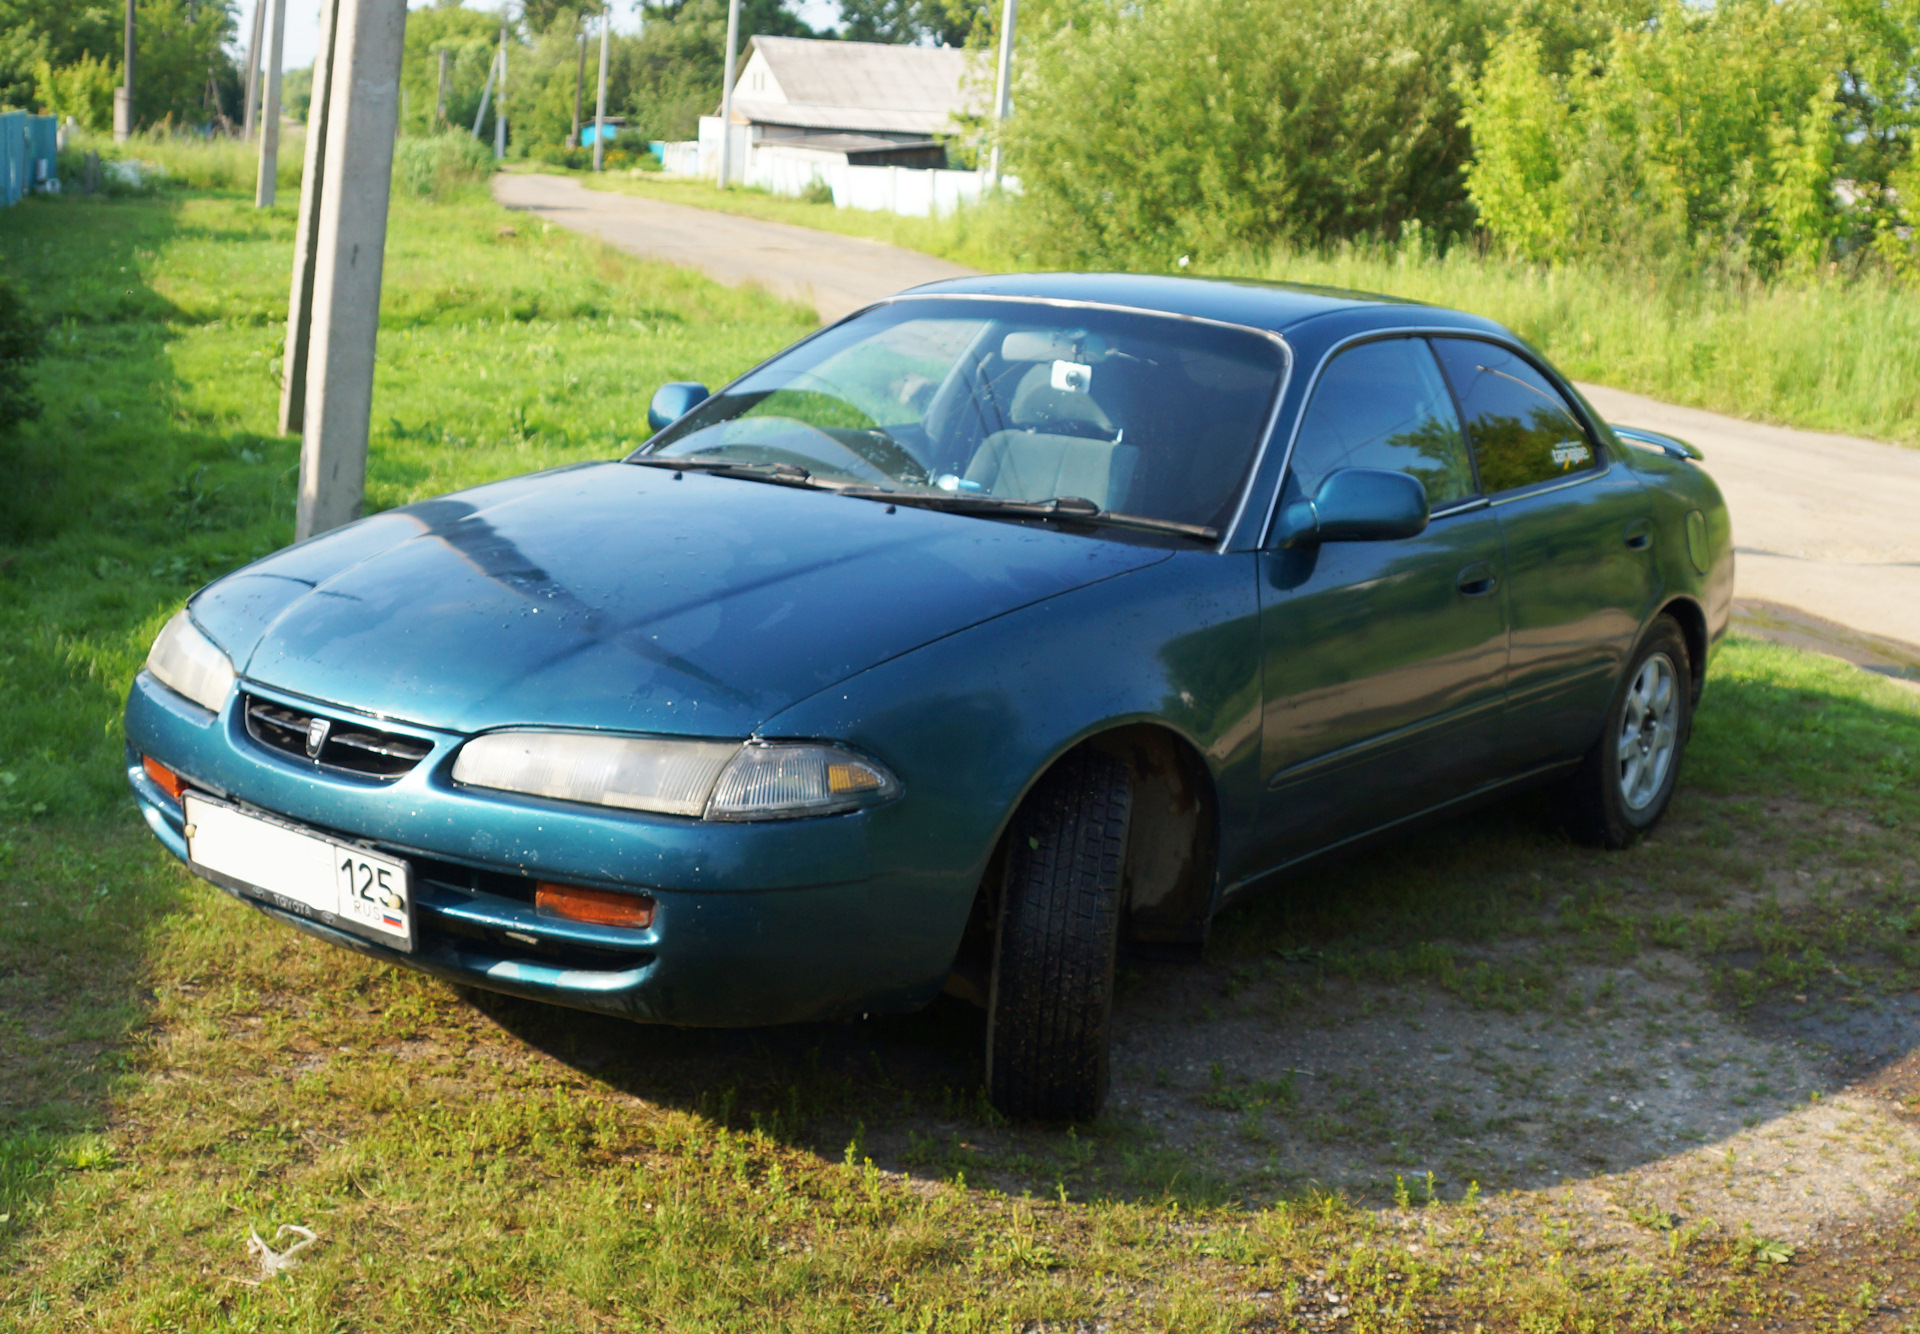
[1051, 994]
[1624, 784]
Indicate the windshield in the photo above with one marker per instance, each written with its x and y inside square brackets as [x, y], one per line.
[1138, 414]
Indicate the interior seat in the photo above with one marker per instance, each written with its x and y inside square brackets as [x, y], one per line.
[1036, 465]
[1061, 443]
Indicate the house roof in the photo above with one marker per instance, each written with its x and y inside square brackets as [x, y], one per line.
[857, 86]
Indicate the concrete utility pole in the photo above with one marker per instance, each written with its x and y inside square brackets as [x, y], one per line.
[600, 103]
[123, 95]
[486, 91]
[293, 372]
[1003, 89]
[440, 104]
[500, 111]
[252, 72]
[268, 177]
[579, 83]
[364, 90]
[726, 96]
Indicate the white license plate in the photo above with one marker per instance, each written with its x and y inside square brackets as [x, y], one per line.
[344, 886]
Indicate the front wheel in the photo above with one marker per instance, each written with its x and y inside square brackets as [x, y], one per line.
[1625, 783]
[1051, 994]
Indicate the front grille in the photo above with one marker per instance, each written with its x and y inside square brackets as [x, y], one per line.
[340, 744]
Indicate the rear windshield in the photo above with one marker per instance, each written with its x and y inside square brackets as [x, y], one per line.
[1141, 414]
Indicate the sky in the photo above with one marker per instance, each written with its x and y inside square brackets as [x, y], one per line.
[303, 23]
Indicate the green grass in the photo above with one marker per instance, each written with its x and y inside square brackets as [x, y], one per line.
[174, 1071]
[1835, 353]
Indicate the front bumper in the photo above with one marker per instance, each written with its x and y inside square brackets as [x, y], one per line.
[760, 923]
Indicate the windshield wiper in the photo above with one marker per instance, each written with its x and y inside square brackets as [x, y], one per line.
[781, 474]
[1066, 509]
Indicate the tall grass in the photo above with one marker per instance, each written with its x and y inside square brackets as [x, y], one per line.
[1837, 352]
[436, 165]
[192, 162]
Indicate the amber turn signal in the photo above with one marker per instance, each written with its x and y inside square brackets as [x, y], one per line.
[169, 782]
[602, 907]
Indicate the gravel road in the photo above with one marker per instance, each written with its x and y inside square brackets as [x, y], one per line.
[1827, 525]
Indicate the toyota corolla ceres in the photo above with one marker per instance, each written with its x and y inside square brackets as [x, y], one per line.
[1001, 625]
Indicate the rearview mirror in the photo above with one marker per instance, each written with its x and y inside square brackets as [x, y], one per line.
[1357, 505]
[673, 401]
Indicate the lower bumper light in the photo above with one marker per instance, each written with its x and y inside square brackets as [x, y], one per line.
[599, 907]
[164, 778]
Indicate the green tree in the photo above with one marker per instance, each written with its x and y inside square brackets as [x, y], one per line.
[181, 50]
[1144, 132]
[82, 90]
[471, 39]
[1706, 135]
[936, 22]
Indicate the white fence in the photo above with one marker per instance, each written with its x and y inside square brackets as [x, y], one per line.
[785, 169]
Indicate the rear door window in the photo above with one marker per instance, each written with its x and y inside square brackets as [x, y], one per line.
[1383, 405]
[1523, 431]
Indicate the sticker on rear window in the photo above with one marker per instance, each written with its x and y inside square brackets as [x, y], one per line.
[1570, 453]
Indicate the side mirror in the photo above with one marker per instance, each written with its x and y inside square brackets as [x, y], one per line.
[673, 401]
[1357, 505]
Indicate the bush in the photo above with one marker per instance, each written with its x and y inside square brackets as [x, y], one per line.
[438, 165]
[1200, 126]
[817, 192]
[22, 339]
[619, 158]
[559, 155]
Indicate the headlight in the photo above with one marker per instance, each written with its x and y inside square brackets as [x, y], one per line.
[722, 780]
[187, 661]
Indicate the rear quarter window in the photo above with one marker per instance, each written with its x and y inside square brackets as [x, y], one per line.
[1522, 430]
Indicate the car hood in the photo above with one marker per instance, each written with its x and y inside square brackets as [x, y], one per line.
[617, 596]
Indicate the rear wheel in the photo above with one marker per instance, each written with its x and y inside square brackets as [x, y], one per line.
[1051, 994]
[1625, 783]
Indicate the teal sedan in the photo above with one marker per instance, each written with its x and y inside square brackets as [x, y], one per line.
[1000, 627]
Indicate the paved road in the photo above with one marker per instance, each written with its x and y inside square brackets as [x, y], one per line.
[835, 274]
[1828, 524]
[1825, 524]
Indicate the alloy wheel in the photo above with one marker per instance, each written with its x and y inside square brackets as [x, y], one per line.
[1649, 723]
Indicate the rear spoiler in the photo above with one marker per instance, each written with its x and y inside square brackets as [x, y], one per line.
[1671, 446]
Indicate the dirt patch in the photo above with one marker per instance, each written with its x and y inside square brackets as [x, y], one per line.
[1631, 1085]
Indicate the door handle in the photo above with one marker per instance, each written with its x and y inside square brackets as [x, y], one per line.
[1639, 535]
[1477, 580]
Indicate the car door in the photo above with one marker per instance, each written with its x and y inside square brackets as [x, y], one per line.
[1579, 541]
[1384, 663]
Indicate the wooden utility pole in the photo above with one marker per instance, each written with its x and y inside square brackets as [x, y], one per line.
[252, 72]
[579, 82]
[600, 103]
[123, 95]
[500, 99]
[440, 106]
[293, 373]
[726, 96]
[350, 247]
[1003, 88]
[268, 177]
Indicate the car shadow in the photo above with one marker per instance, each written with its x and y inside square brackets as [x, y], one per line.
[1480, 1004]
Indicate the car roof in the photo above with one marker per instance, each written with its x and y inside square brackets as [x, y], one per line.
[1276, 306]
